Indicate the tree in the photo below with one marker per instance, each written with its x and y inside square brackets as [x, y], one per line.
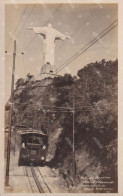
[67, 79]
[20, 82]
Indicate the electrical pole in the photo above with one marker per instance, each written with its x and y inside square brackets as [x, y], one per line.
[15, 141]
[74, 169]
[10, 117]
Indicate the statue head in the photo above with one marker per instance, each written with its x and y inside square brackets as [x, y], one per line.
[49, 25]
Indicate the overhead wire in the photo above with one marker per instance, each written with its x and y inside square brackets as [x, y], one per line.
[49, 19]
[29, 44]
[79, 53]
[17, 26]
[22, 24]
[88, 45]
[91, 42]
[55, 107]
[80, 26]
[21, 27]
[73, 67]
[45, 23]
[26, 19]
[75, 30]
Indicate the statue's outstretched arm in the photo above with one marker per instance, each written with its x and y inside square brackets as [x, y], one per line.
[62, 36]
[38, 30]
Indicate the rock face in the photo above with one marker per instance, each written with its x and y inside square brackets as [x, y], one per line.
[48, 105]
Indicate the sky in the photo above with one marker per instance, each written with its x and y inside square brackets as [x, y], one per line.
[82, 22]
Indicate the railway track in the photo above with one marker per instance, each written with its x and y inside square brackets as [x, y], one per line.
[36, 180]
[44, 182]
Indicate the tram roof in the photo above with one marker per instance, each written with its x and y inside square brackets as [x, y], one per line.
[32, 132]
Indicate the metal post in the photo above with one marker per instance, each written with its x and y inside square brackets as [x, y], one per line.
[74, 170]
[10, 118]
[48, 123]
[15, 141]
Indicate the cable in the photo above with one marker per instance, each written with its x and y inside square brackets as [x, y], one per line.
[26, 20]
[53, 14]
[28, 45]
[55, 107]
[80, 26]
[88, 45]
[93, 13]
[23, 23]
[17, 25]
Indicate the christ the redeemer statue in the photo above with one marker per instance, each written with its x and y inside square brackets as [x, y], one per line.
[50, 35]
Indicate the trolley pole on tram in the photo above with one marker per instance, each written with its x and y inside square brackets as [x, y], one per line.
[10, 117]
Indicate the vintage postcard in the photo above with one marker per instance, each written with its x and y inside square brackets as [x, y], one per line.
[60, 82]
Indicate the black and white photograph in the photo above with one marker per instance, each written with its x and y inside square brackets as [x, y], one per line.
[61, 98]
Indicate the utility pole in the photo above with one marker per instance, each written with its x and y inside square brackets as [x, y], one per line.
[74, 169]
[10, 118]
[15, 140]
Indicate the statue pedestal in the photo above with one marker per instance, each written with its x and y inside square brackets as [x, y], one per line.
[47, 71]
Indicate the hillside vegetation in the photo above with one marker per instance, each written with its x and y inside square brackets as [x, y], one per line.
[94, 97]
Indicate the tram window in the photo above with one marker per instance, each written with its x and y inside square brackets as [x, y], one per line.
[34, 140]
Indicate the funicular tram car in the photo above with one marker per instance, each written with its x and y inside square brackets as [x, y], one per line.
[33, 148]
